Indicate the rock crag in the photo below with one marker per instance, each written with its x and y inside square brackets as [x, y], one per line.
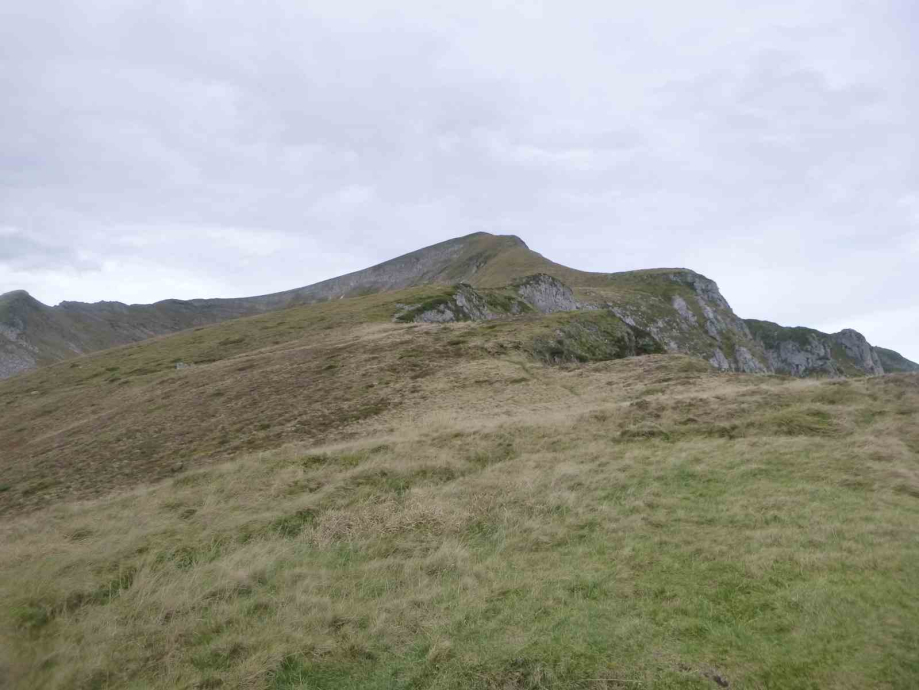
[808, 352]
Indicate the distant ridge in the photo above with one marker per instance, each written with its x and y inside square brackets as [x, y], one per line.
[33, 334]
[684, 311]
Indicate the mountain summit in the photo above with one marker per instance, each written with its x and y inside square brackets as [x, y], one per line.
[678, 310]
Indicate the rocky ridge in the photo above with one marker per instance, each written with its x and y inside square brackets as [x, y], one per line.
[807, 352]
[484, 277]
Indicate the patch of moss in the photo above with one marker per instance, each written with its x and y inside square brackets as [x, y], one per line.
[505, 302]
[729, 346]
[430, 304]
[772, 334]
[592, 337]
[290, 526]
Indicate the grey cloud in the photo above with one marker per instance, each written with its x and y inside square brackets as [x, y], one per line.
[769, 146]
[20, 252]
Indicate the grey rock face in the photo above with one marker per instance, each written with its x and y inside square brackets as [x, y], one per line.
[472, 304]
[712, 313]
[748, 363]
[806, 352]
[802, 360]
[540, 292]
[546, 294]
[465, 305]
[858, 348]
[705, 288]
[683, 309]
[719, 361]
[12, 363]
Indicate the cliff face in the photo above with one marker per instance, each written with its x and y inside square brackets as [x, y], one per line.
[485, 276]
[687, 314]
[806, 352]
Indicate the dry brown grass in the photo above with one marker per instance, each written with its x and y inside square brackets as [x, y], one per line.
[127, 416]
[501, 524]
[313, 374]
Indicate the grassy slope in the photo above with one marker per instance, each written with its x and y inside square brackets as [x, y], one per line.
[121, 416]
[307, 374]
[451, 513]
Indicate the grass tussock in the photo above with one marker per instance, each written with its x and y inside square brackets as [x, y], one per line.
[642, 523]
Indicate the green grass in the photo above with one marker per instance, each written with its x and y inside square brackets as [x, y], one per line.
[502, 551]
[328, 499]
[772, 334]
[589, 336]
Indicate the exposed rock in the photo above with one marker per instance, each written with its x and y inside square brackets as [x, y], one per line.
[683, 309]
[695, 320]
[719, 361]
[807, 352]
[790, 357]
[722, 324]
[748, 363]
[857, 348]
[472, 305]
[546, 294]
[539, 292]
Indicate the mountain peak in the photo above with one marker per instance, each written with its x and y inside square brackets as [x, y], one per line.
[513, 239]
[14, 295]
[13, 303]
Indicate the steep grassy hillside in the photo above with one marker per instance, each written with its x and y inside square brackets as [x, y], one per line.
[326, 498]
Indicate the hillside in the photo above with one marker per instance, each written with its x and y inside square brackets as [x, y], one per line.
[326, 497]
[33, 334]
[682, 310]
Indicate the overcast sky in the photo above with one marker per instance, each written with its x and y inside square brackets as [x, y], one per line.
[199, 149]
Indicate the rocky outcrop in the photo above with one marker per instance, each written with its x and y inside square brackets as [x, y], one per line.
[686, 312]
[807, 352]
[676, 311]
[545, 294]
[859, 352]
[540, 293]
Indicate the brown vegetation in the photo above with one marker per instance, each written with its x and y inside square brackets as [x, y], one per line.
[377, 505]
